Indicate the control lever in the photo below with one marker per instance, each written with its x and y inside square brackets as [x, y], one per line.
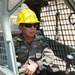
[69, 61]
[21, 70]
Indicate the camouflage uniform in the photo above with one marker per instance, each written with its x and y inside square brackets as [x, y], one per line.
[38, 50]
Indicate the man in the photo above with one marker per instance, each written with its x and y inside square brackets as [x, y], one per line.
[30, 47]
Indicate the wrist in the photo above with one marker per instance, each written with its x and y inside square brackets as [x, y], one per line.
[36, 64]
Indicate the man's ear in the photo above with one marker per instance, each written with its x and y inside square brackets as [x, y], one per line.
[20, 28]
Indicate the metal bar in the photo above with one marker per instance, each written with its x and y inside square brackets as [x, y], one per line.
[11, 58]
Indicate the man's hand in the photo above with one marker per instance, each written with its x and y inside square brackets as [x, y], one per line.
[30, 69]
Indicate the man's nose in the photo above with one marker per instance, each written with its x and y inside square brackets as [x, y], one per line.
[32, 26]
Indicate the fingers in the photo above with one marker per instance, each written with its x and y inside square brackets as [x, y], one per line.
[27, 71]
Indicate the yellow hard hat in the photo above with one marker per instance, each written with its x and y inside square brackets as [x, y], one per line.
[27, 16]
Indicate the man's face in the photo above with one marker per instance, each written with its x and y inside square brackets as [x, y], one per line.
[28, 31]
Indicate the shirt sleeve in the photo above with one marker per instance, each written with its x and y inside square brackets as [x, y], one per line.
[47, 59]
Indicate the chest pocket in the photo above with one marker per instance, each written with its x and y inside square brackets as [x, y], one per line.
[37, 46]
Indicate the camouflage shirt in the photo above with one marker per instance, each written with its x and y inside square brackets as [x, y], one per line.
[35, 49]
